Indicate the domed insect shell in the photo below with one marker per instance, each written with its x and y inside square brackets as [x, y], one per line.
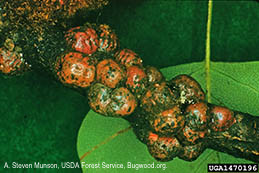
[197, 116]
[108, 40]
[192, 152]
[83, 39]
[119, 102]
[188, 89]
[123, 103]
[75, 69]
[128, 58]
[110, 73]
[169, 122]
[154, 75]
[196, 123]
[163, 148]
[222, 118]
[157, 98]
[136, 80]
[99, 98]
[189, 136]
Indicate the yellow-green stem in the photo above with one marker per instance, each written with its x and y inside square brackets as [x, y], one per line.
[207, 57]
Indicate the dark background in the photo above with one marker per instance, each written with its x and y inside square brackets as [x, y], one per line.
[40, 118]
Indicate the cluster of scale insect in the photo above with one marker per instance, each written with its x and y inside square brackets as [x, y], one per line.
[170, 116]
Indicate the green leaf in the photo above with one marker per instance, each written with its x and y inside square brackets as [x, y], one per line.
[235, 85]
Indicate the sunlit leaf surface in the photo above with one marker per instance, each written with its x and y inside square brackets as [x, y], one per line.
[235, 85]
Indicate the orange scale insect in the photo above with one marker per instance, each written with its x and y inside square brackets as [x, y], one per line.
[108, 40]
[196, 116]
[11, 62]
[128, 58]
[76, 70]
[163, 148]
[154, 75]
[136, 79]
[191, 136]
[189, 89]
[123, 102]
[157, 98]
[83, 40]
[110, 73]
[192, 152]
[168, 122]
[222, 118]
[99, 97]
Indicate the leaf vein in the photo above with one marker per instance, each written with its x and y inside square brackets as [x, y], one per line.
[237, 81]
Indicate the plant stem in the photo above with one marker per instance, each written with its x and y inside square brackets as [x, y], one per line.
[207, 51]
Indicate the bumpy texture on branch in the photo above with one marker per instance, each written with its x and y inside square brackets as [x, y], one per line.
[171, 117]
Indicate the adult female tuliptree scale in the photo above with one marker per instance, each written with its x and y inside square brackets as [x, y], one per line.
[83, 39]
[75, 69]
[110, 73]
